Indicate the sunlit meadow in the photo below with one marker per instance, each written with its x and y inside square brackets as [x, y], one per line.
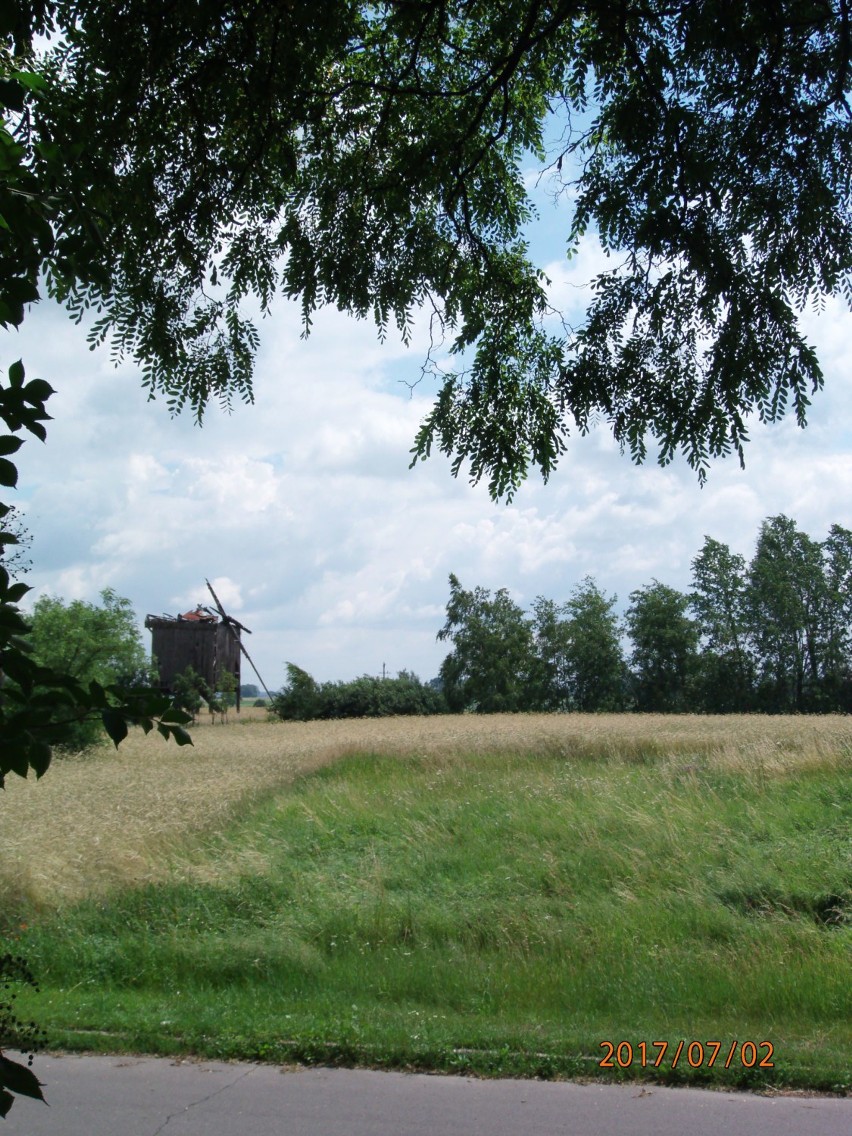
[501, 894]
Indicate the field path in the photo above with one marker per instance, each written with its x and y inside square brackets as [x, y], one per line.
[103, 1096]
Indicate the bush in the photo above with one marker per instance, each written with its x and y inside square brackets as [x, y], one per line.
[304, 699]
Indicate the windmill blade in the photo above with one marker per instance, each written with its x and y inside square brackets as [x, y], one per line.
[217, 601]
[256, 671]
[227, 620]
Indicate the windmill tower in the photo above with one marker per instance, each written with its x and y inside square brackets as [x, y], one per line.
[208, 641]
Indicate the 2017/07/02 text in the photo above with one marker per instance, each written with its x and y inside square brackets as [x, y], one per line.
[622, 1054]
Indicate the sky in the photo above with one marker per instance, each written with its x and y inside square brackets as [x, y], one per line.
[303, 511]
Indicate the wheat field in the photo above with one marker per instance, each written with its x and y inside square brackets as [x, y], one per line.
[110, 818]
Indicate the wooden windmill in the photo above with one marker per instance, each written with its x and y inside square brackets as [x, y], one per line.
[205, 639]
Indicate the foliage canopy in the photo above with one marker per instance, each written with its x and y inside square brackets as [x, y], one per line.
[373, 156]
[770, 635]
[90, 643]
[42, 229]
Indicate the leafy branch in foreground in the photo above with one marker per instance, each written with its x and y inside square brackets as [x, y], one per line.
[39, 704]
[377, 158]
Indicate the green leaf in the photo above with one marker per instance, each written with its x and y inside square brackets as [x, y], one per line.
[11, 95]
[11, 620]
[37, 392]
[174, 715]
[97, 695]
[49, 151]
[15, 756]
[181, 736]
[9, 445]
[20, 1079]
[8, 473]
[31, 80]
[115, 725]
[16, 374]
[40, 757]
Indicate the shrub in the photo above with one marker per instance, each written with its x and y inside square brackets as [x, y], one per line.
[304, 699]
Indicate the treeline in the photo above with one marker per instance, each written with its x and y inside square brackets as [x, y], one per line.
[304, 699]
[770, 635]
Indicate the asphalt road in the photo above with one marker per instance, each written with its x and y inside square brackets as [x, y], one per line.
[145, 1096]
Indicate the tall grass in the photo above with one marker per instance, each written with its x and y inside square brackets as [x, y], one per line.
[499, 895]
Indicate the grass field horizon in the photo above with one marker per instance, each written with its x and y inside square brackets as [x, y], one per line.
[498, 895]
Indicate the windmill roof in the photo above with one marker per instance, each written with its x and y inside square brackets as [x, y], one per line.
[199, 616]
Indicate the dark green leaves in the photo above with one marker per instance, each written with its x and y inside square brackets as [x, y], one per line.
[146, 708]
[8, 470]
[374, 158]
[22, 406]
[115, 725]
[45, 700]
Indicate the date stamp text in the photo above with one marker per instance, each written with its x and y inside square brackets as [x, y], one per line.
[662, 1054]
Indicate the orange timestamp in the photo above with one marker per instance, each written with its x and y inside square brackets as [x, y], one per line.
[696, 1054]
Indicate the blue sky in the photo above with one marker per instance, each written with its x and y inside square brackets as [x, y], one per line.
[303, 511]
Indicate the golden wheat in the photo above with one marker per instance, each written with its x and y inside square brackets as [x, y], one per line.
[106, 818]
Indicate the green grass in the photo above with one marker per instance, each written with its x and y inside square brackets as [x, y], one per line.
[499, 914]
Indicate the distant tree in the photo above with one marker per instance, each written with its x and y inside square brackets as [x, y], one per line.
[787, 598]
[372, 697]
[89, 641]
[492, 665]
[578, 659]
[719, 599]
[837, 622]
[596, 669]
[249, 690]
[550, 676]
[299, 698]
[98, 643]
[226, 687]
[665, 642]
